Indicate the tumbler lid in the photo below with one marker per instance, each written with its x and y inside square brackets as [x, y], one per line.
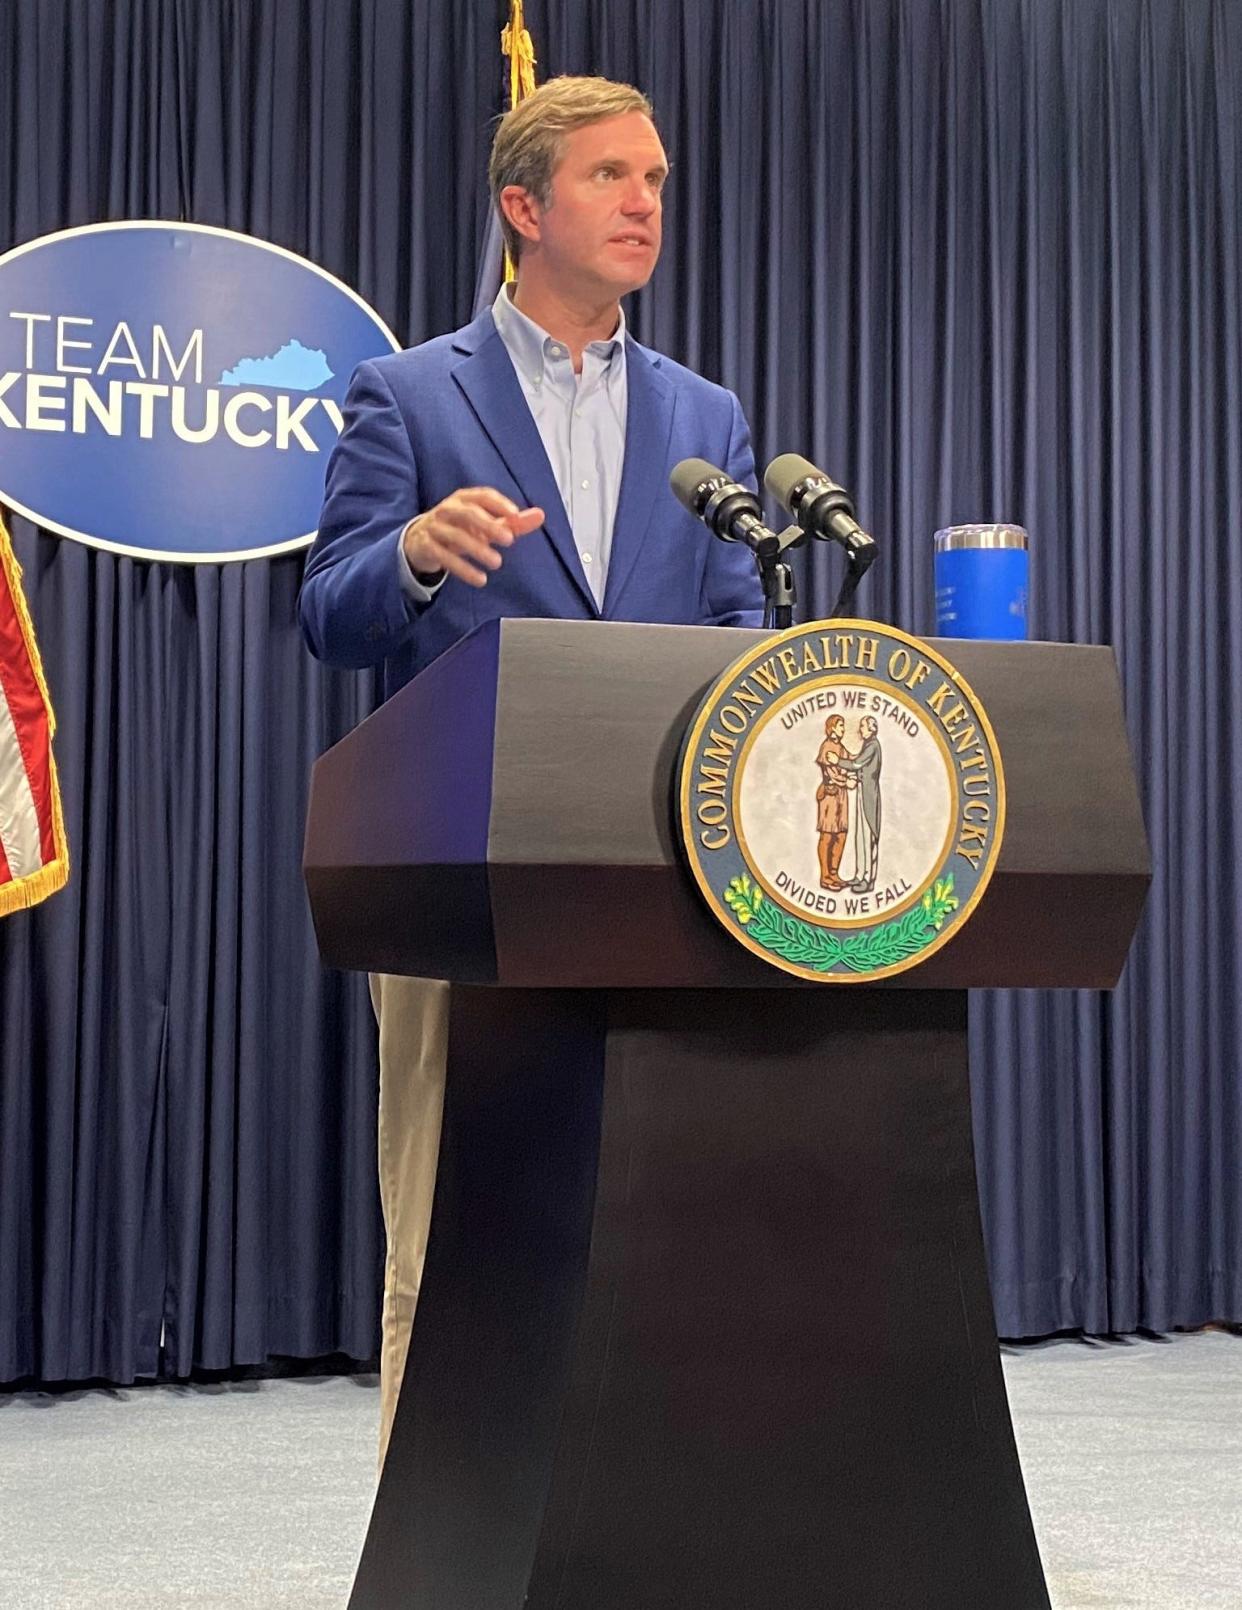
[979, 536]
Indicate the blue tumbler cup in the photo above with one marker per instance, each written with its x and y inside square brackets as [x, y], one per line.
[981, 580]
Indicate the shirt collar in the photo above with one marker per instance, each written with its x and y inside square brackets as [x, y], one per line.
[531, 346]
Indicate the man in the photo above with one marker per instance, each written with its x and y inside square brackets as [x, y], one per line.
[518, 467]
[864, 767]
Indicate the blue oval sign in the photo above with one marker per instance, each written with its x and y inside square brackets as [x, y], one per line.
[172, 391]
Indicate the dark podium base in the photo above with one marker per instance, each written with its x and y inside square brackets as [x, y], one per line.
[705, 1323]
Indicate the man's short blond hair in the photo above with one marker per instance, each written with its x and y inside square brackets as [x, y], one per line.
[530, 138]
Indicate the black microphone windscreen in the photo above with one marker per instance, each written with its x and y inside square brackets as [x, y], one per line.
[785, 472]
[687, 477]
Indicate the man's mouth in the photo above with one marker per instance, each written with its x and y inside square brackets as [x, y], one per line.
[630, 240]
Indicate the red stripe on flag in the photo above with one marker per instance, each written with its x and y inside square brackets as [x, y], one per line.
[6, 873]
[21, 691]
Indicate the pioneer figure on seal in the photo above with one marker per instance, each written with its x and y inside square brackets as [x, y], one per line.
[832, 799]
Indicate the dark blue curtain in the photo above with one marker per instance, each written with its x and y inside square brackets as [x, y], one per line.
[979, 258]
[187, 1100]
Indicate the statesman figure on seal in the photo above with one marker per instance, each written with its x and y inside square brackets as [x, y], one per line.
[864, 768]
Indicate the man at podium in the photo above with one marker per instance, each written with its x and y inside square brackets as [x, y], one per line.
[518, 467]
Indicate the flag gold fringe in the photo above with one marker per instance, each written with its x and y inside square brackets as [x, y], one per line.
[519, 47]
[28, 891]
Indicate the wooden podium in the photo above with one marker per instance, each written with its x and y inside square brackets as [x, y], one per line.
[705, 1322]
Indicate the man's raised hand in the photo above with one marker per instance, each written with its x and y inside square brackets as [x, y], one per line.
[462, 534]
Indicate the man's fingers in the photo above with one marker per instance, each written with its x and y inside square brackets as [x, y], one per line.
[461, 535]
[495, 528]
[500, 507]
[487, 497]
[457, 523]
[470, 531]
[465, 564]
[525, 520]
[466, 542]
[464, 525]
[455, 565]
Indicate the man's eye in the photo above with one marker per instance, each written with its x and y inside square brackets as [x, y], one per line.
[607, 173]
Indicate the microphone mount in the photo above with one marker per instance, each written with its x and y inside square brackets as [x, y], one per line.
[858, 564]
[776, 576]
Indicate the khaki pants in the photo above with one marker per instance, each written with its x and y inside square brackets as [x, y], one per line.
[412, 1014]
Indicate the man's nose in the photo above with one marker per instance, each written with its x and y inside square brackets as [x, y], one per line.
[641, 199]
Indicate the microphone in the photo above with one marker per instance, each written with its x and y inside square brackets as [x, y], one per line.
[725, 507]
[817, 504]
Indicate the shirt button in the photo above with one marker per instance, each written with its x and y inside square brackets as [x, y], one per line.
[585, 485]
[586, 559]
[555, 350]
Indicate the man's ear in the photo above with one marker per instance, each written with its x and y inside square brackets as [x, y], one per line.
[522, 211]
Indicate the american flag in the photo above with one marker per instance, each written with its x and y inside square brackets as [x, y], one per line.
[34, 857]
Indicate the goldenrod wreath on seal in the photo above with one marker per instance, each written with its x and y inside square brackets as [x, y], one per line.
[821, 949]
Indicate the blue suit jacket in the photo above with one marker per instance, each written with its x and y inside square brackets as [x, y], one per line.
[449, 414]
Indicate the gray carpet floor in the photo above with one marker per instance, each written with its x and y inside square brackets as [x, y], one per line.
[256, 1496]
[1132, 1451]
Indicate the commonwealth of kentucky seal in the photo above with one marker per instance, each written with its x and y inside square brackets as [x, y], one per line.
[842, 800]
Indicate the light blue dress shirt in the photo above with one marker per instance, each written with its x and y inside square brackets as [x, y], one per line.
[581, 422]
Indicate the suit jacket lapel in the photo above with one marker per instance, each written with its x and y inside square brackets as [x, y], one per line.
[650, 401]
[491, 387]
